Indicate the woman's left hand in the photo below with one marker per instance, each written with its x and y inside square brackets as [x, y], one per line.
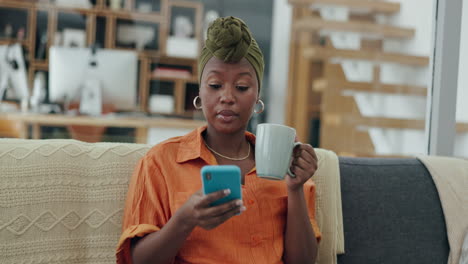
[304, 165]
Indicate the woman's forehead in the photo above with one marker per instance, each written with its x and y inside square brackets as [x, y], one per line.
[219, 66]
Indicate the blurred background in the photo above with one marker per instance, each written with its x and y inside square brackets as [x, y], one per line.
[354, 76]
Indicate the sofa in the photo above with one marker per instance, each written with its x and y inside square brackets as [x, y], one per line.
[61, 201]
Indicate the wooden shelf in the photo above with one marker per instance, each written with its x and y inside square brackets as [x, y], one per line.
[172, 79]
[382, 31]
[316, 52]
[147, 17]
[141, 124]
[17, 4]
[122, 13]
[368, 6]
[108, 121]
[4, 41]
[382, 122]
[146, 58]
[320, 85]
[40, 65]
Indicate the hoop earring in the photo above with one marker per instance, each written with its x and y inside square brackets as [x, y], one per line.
[198, 107]
[262, 107]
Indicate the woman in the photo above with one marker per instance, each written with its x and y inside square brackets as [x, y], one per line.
[167, 219]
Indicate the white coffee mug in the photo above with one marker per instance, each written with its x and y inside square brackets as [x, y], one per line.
[273, 150]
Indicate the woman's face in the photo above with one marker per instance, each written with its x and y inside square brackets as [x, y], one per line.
[228, 92]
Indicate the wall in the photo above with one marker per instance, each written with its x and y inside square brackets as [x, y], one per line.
[277, 89]
[462, 96]
[461, 142]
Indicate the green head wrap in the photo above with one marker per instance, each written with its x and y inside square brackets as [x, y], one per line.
[229, 39]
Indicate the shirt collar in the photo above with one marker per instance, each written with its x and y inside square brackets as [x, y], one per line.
[192, 146]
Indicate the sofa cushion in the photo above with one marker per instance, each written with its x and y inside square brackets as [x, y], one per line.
[61, 201]
[391, 213]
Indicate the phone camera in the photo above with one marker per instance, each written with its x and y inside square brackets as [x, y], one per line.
[208, 176]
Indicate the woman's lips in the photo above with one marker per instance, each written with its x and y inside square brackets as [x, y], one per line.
[226, 115]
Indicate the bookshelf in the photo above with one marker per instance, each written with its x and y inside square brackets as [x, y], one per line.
[43, 22]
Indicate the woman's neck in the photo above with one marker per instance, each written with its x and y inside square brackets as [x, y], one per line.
[232, 145]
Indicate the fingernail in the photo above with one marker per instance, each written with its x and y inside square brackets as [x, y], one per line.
[242, 209]
[239, 202]
[227, 191]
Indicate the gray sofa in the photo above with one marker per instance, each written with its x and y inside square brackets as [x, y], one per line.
[391, 213]
[61, 201]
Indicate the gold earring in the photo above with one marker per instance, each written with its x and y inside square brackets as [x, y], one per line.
[262, 107]
[198, 107]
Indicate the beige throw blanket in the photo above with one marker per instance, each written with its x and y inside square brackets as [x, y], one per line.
[61, 201]
[328, 207]
[450, 176]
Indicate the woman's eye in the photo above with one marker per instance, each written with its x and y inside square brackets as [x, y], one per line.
[215, 86]
[242, 88]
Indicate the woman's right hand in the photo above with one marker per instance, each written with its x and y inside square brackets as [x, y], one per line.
[197, 210]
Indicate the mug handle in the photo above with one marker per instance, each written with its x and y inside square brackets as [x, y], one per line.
[289, 169]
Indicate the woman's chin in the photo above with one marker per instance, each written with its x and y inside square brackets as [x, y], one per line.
[227, 127]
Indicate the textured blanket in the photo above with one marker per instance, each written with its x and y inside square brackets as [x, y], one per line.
[451, 180]
[61, 201]
[328, 207]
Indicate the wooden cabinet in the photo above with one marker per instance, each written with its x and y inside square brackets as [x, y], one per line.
[40, 24]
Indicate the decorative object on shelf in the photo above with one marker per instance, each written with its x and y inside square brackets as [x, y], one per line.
[182, 44]
[39, 91]
[138, 35]
[74, 3]
[58, 38]
[182, 47]
[41, 51]
[74, 38]
[8, 31]
[183, 27]
[160, 103]
[13, 78]
[210, 16]
[20, 34]
[116, 4]
[145, 7]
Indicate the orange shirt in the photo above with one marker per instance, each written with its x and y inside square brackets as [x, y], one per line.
[170, 173]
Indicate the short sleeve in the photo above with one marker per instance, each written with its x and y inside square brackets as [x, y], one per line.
[146, 207]
[309, 191]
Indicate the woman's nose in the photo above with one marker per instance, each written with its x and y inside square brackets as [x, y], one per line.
[227, 95]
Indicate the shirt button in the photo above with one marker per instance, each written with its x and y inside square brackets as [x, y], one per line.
[250, 202]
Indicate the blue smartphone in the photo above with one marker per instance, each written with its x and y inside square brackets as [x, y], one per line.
[220, 177]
